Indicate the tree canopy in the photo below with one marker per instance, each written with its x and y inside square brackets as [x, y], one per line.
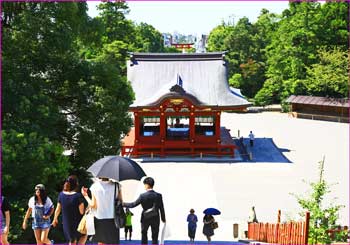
[285, 54]
[64, 90]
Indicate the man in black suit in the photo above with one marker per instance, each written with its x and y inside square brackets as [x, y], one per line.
[151, 203]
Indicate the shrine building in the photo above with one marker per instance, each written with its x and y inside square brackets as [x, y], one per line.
[179, 99]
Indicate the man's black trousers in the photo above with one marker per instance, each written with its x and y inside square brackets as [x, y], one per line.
[154, 223]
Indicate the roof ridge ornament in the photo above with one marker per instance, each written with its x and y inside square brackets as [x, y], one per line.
[179, 80]
[177, 89]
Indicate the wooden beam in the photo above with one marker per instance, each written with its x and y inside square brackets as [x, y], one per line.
[306, 231]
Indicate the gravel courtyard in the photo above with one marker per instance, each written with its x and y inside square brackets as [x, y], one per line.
[234, 187]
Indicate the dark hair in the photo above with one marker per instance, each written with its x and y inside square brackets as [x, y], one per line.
[149, 181]
[71, 183]
[42, 194]
[192, 211]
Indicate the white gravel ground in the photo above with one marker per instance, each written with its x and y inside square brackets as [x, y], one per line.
[234, 188]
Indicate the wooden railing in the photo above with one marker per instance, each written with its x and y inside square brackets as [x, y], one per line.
[286, 233]
[314, 116]
[192, 150]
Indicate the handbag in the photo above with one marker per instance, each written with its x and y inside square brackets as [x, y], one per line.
[86, 225]
[82, 225]
[90, 222]
[119, 214]
[214, 225]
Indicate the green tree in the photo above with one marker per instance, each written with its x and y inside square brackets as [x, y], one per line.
[245, 45]
[333, 20]
[116, 26]
[322, 218]
[217, 36]
[148, 39]
[57, 97]
[305, 28]
[293, 46]
[236, 80]
[270, 93]
[29, 159]
[329, 77]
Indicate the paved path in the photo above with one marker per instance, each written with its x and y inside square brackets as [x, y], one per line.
[135, 242]
[234, 187]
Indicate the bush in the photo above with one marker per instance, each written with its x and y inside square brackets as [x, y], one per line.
[29, 159]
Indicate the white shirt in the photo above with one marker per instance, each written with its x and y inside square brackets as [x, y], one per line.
[47, 206]
[104, 194]
[251, 136]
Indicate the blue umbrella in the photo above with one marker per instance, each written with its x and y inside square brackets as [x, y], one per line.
[211, 211]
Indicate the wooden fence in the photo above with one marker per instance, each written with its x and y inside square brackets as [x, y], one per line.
[286, 233]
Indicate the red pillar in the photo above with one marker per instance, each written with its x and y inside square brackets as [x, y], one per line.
[217, 125]
[217, 132]
[137, 126]
[137, 132]
[192, 130]
[162, 132]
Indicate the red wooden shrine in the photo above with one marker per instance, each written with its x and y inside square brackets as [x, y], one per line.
[174, 121]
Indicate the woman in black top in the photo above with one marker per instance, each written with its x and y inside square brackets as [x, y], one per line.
[208, 230]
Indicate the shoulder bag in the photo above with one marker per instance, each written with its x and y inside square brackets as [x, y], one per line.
[86, 225]
[119, 214]
[214, 225]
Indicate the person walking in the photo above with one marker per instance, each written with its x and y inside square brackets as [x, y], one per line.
[152, 204]
[103, 195]
[41, 208]
[251, 139]
[192, 225]
[128, 223]
[5, 220]
[208, 229]
[71, 203]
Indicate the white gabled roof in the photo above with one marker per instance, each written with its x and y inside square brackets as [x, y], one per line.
[203, 76]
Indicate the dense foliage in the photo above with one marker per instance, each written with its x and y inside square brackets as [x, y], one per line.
[303, 51]
[64, 88]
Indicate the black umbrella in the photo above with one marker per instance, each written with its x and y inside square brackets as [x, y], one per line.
[117, 168]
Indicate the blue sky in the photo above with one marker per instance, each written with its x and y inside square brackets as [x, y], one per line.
[194, 17]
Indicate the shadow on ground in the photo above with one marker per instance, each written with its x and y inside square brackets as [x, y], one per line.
[264, 150]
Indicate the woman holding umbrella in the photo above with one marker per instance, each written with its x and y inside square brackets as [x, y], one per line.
[103, 193]
[209, 222]
[208, 230]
